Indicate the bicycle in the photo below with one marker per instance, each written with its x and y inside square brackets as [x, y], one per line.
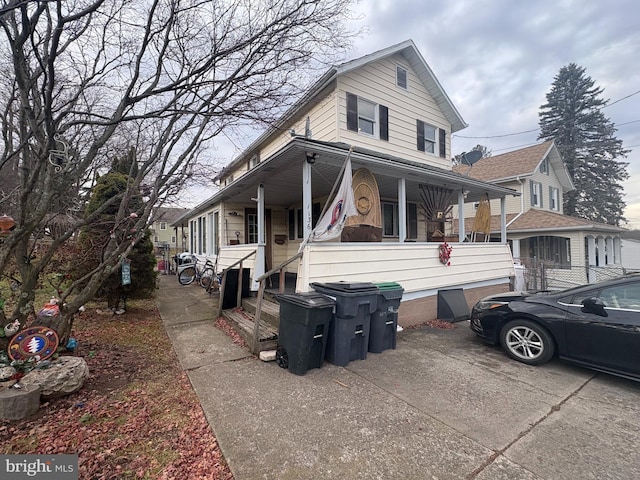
[203, 273]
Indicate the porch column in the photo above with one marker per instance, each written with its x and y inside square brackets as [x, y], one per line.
[306, 199]
[503, 220]
[260, 253]
[515, 249]
[461, 234]
[617, 249]
[601, 252]
[402, 210]
[591, 256]
[610, 253]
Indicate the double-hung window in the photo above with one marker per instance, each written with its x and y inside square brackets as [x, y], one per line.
[536, 194]
[367, 117]
[401, 77]
[391, 219]
[431, 139]
[554, 199]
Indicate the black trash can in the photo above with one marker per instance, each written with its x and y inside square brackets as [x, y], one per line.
[303, 331]
[230, 299]
[384, 321]
[349, 331]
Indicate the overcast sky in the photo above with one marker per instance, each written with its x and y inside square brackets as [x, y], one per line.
[497, 59]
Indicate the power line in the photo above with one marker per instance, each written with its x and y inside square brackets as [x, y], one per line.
[500, 136]
[621, 99]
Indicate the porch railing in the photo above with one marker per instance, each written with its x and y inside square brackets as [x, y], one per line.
[262, 279]
[224, 281]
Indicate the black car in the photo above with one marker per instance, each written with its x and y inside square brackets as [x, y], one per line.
[597, 325]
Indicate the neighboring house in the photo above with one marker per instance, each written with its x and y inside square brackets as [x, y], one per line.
[163, 232]
[391, 110]
[573, 250]
[631, 251]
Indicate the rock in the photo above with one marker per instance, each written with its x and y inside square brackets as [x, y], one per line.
[16, 404]
[64, 376]
[6, 373]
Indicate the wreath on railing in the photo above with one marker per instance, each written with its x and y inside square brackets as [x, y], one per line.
[445, 253]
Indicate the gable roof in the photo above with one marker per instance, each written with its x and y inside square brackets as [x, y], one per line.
[407, 49]
[168, 214]
[518, 163]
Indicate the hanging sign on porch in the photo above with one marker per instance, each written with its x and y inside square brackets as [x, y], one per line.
[126, 271]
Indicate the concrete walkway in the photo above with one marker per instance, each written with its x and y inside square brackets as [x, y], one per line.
[441, 406]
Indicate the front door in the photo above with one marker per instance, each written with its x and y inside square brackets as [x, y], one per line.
[251, 233]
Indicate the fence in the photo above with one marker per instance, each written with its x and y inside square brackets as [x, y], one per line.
[536, 276]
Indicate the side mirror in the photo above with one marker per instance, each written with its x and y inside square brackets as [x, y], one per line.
[594, 305]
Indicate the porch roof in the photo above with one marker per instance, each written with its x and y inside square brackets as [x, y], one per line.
[543, 221]
[281, 175]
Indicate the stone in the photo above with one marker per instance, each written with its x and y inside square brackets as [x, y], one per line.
[64, 376]
[19, 403]
[6, 373]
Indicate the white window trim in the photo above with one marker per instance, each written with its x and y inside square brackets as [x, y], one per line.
[536, 194]
[554, 198]
[376, 119]
[406, 77]
[436, 146]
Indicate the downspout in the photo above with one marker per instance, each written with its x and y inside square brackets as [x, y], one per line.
[522, 182]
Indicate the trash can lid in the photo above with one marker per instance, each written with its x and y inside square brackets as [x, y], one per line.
[347, 287]
[307, 300]
[388, 286]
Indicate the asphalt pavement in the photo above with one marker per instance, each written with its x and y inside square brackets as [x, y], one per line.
[442, 405]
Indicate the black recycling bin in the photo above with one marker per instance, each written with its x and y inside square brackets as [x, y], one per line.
[384, 321]
[230, 299]
[303, 331]
[349, 331]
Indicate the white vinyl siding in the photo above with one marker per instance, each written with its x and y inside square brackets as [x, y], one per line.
[377, 82]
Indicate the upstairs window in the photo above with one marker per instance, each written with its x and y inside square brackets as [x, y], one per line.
[554, 199]
[536, 194]
[544, 166]
[163, 225]
[401, 77]
[431, 139]
[367, 117]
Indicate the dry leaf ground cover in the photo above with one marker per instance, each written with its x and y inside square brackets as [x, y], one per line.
[135, 417]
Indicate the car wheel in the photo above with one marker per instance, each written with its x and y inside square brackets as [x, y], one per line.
[527, 342]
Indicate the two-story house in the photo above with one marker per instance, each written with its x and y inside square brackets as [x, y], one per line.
[390, 115]
[163, 231]
[573, 250]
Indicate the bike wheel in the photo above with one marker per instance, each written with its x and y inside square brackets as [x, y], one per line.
[187, 276]
[206, 278]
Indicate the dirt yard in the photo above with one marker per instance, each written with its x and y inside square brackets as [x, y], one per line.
[135, 417]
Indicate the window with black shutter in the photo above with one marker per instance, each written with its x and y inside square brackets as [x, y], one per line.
[442, 142]
[369, 118]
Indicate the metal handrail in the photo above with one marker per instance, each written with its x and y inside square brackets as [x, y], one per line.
[262, 278]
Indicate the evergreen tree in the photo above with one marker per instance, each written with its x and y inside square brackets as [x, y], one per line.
[98, 234]
[587, 143]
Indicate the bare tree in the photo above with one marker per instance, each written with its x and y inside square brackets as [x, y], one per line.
[84, 81]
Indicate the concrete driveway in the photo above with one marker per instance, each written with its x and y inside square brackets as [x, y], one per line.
[443, 405]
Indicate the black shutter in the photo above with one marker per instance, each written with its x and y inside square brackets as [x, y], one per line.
[352, 112]
[443, 143]
[420, 128]
[384, 122]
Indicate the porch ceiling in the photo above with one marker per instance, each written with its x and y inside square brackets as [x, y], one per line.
[281, 176]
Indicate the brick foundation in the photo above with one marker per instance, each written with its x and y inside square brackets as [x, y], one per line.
[422, 310]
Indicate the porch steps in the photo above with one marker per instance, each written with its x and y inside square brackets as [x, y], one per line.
[242, 319]
[270, 310]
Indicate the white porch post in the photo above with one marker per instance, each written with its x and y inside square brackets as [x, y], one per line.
[503, 220]
[260, 253]
[306, 199]
[601, 252]
[461, 234]
[402, 210]
[610, 253]
[591, 246]
[515, 246]
[617, 248]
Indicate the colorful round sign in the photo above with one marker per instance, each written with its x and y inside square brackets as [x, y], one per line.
[33, 341]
